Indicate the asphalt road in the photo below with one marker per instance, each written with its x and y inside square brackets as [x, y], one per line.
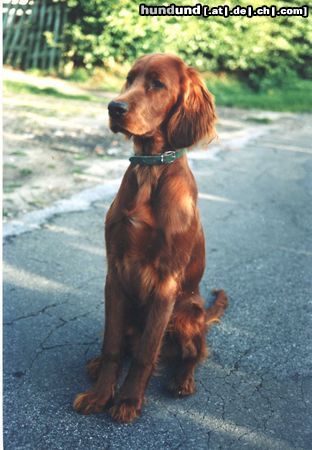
[254, 392]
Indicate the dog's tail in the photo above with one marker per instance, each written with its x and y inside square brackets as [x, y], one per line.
[216, 310]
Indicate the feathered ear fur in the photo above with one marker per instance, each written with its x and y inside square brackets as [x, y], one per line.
[195, 116]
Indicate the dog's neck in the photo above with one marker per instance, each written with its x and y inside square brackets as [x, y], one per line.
[151, 145]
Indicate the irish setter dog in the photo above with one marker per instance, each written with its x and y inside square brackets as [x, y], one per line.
[154, 241]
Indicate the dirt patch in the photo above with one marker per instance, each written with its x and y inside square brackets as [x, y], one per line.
[54, 147]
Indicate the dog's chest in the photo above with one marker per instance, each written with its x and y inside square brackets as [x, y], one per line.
[131, 222]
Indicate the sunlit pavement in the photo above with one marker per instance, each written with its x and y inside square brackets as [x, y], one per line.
[254, 391]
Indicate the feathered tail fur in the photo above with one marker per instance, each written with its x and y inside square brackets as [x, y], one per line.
[216, 310]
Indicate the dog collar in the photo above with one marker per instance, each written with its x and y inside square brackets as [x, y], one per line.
[156, 160]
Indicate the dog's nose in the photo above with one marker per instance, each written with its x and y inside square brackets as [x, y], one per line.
[117, 109]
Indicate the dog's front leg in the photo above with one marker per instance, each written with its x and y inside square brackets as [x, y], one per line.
[94, 400]
[128, 404]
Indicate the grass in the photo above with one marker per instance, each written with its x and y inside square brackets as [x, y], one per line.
[109, 80]
[80, 157]
[25, 172]
[261, 120]
[18, 153]
[11, 186]
[77, 170]
[17, 87]
[9, 166]
[293, 97]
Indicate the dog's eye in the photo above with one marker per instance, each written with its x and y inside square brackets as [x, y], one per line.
[130, 79]
[156, 84]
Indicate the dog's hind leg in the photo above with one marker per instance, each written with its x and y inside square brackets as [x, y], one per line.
[187, 331]
[188, 328]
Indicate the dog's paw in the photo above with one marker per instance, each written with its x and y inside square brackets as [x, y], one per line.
[126, 411]
[88, 403]
[93, 368]
[187, 387]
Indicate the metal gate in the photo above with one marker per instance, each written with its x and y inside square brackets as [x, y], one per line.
[32, 33]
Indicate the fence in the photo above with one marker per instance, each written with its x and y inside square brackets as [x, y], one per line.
[32, 33]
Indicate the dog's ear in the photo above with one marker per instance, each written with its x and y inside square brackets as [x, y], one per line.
[195, 115]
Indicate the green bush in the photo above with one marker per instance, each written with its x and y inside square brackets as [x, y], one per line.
[263, 51]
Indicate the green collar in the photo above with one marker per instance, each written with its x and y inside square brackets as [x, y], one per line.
[156, 160]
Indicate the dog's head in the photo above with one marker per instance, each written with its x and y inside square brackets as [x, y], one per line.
[163, 93]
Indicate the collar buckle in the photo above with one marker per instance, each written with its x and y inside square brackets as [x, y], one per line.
[171, 153]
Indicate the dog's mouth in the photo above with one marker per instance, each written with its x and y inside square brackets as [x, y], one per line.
[118, 126]
[115, 126]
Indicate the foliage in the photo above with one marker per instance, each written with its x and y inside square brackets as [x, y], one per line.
[261, 50]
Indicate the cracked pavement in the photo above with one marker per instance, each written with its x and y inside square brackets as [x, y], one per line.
[255, 390]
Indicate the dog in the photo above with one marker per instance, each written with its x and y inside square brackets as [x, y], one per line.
[154, 241]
